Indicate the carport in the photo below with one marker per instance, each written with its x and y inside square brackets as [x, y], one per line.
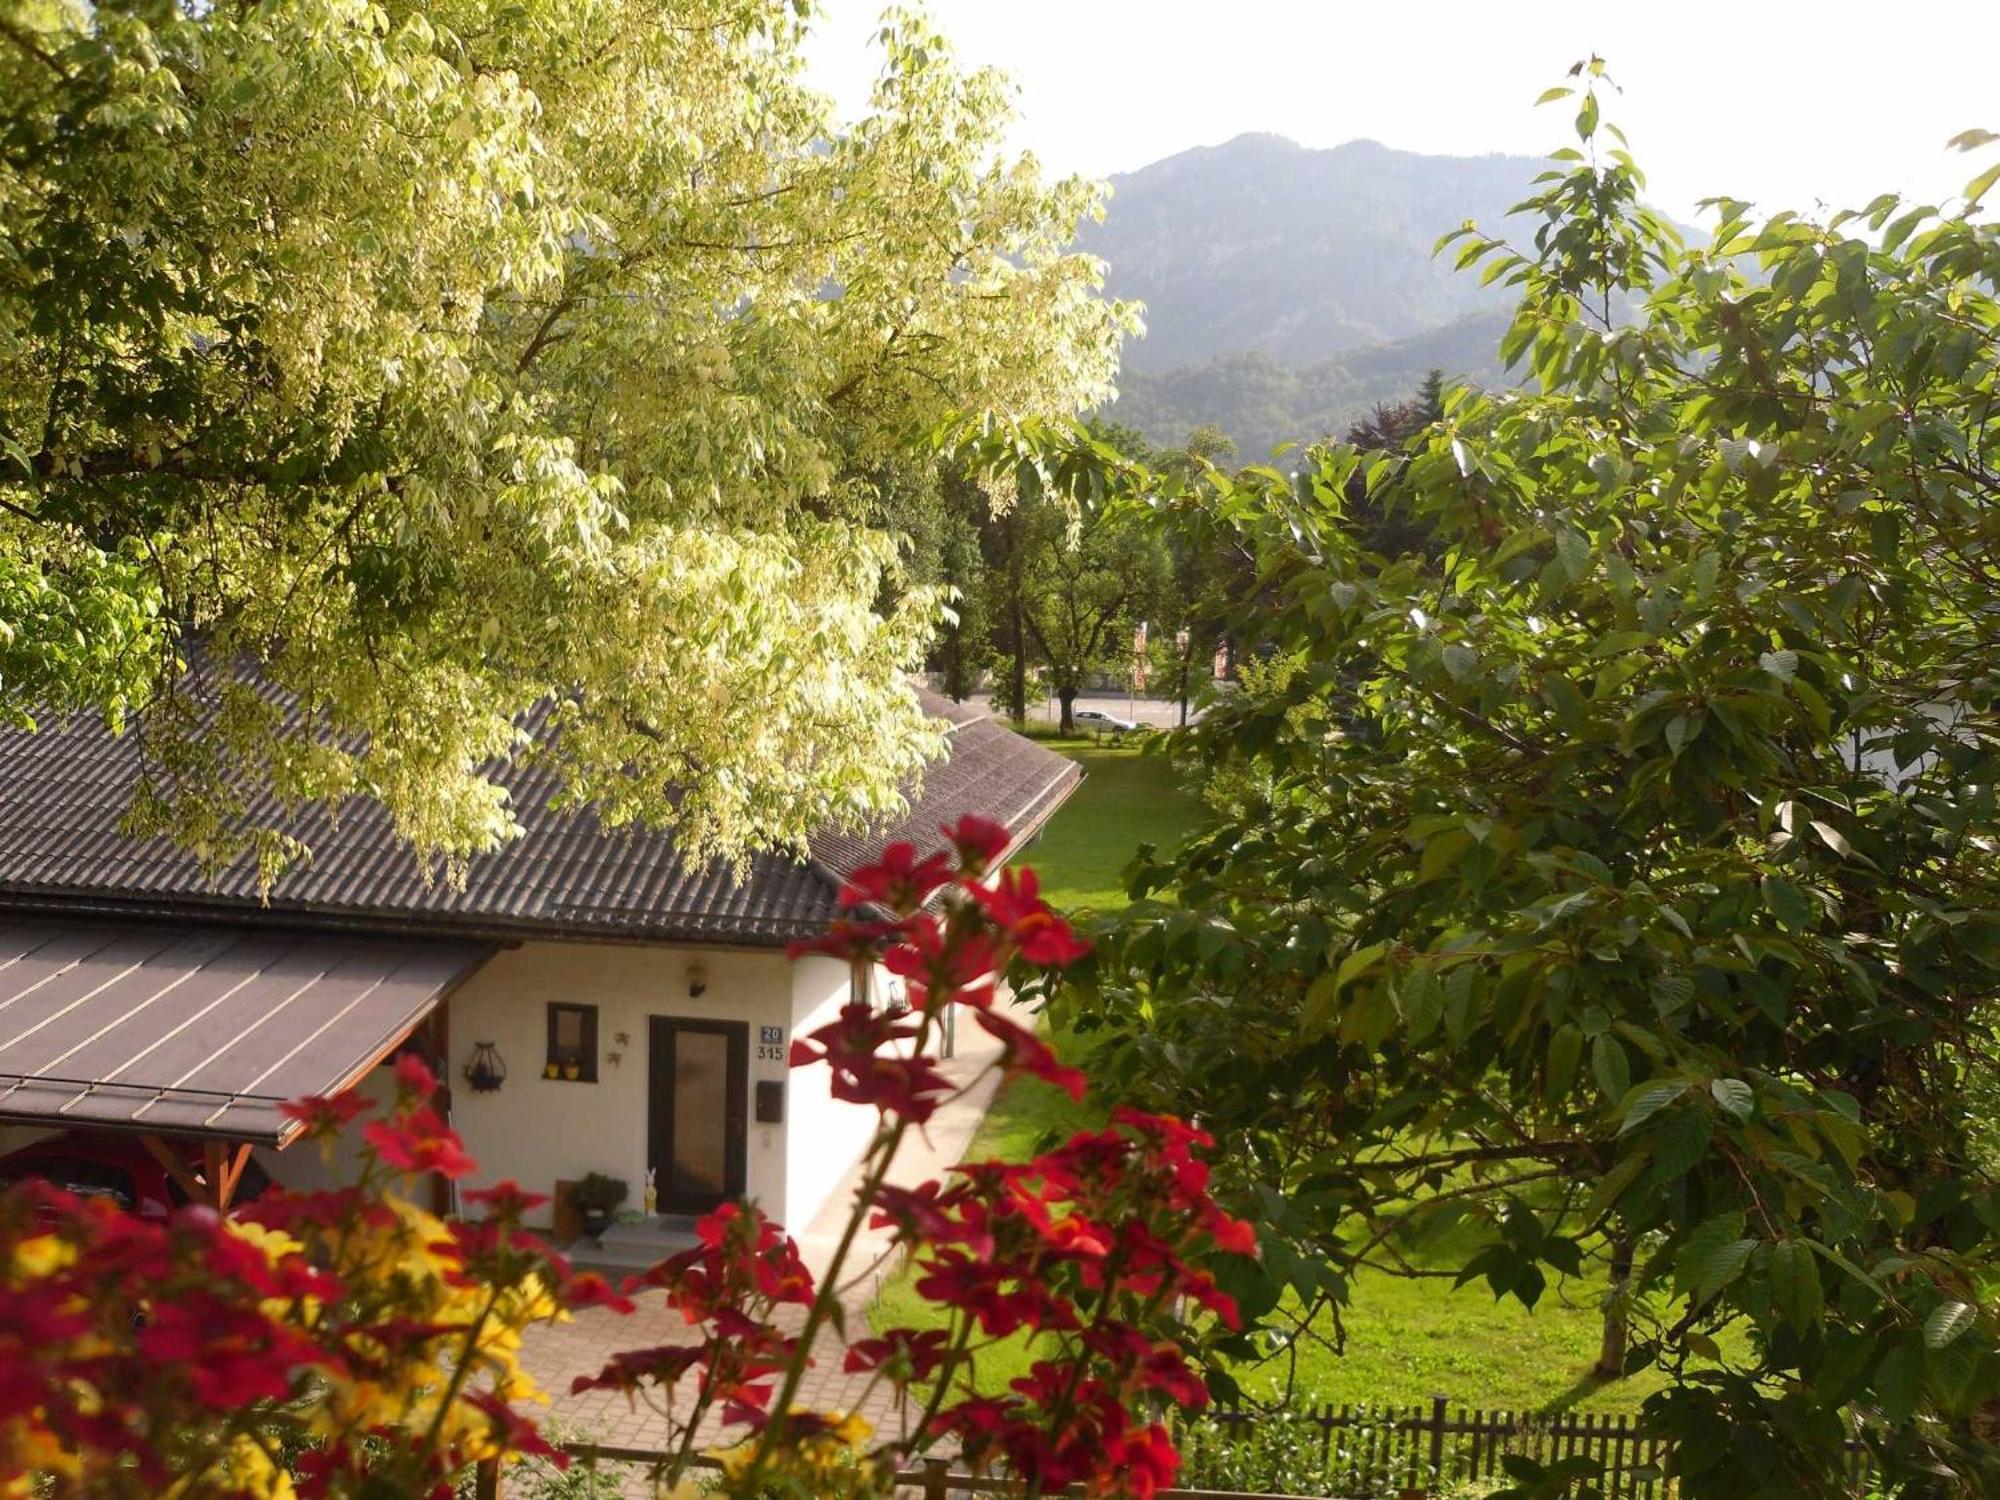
[183, 1031]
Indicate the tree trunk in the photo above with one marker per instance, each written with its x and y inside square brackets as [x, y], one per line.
[1017, 673]
[954, 666]
[1617, 1320]
[1186, 667]
[1067, 696]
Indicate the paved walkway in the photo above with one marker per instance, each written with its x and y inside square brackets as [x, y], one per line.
[554, 1356]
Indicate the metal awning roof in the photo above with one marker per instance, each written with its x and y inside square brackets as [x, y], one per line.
[180, 1030]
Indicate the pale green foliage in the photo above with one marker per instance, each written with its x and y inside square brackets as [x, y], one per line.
[436, 361]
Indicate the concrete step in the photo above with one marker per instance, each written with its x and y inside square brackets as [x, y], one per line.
[676, 1230]
[632, 1246]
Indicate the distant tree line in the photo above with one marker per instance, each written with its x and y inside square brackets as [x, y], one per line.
[1051, 597]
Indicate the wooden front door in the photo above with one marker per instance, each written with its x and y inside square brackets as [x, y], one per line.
[696, 1116]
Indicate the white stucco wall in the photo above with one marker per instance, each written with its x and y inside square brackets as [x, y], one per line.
[538, 1130]
[827, 1135]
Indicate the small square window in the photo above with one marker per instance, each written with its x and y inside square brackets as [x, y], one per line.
[572, 1043]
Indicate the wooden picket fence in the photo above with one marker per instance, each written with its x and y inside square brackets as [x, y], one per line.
[1376, 1450]
[1422, 1449]
[1365, 1451]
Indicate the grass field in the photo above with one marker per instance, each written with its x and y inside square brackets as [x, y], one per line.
[1127, 799]
[1406, 1339]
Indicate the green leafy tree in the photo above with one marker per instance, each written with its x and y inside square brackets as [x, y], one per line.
[1069, 554]
[964, 648]
[1208, 573]
[439, 360]
[1619, 872]
[1075, 565]
[1086, 584]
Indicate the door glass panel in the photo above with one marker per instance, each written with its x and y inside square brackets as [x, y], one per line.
[701, 1113]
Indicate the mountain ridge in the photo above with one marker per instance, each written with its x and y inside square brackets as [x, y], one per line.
[1317, 258]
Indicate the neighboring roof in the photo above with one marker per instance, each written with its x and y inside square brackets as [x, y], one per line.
[62, 792]
[201, 1030]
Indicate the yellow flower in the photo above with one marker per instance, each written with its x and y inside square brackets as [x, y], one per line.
[42, 1255]
[26, 1449]
[735, 1460]
[852, 1430]
[245, 1469]
[275, 1243]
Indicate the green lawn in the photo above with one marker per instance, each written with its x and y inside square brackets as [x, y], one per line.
[1406, 1339]
[1127, 799]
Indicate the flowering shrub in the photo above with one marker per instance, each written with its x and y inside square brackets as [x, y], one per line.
[348, 1343]
[1096, 1248]
[312, 1344]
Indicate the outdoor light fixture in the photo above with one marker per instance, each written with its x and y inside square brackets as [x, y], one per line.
[697, 978]
[485, 1071]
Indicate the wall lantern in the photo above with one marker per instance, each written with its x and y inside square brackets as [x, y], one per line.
[485, 1072]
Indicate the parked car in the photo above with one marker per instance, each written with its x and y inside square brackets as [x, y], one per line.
[117, 1167]
[1096, 721]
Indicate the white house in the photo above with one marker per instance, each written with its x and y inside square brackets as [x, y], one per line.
[641, 1008]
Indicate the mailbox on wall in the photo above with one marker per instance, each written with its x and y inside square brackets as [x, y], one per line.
[771, 1102]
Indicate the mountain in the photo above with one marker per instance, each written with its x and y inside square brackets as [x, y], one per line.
[1262, 403]
[1317, 260]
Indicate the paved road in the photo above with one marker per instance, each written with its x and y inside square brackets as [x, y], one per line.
[1142, 711]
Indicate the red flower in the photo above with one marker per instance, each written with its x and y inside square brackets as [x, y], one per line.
[1231, 1235]
[296, 1209]
[979, 841]
[1147, 1462]
[908, 1354]
[506, 1200]
[929, 1214]
[232, 1355]
[856, 1048]
[1028, 1053]
[1002, 1301]
[324, 1116]
[1149, 1364]
[421, 1143]
[847, 940]
[1016, 905]
[1200, 1288]
[961, 964]
[629, 1369]
[414, 1078]
[897, 880]
[511, 1428]
[588, 1289]
[1166, 1129]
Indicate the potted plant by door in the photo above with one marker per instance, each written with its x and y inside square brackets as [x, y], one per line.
[596, 1198]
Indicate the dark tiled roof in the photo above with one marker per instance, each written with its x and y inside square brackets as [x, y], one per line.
[63, 790]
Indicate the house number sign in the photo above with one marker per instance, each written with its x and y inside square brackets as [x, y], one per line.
[771, 1043]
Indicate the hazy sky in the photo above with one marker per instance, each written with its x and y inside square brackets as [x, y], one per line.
[1780, 101]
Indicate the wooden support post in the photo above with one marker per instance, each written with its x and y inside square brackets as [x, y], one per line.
[222, 1164]
[486, 1480]
[177, 1169]
[935, 1470]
